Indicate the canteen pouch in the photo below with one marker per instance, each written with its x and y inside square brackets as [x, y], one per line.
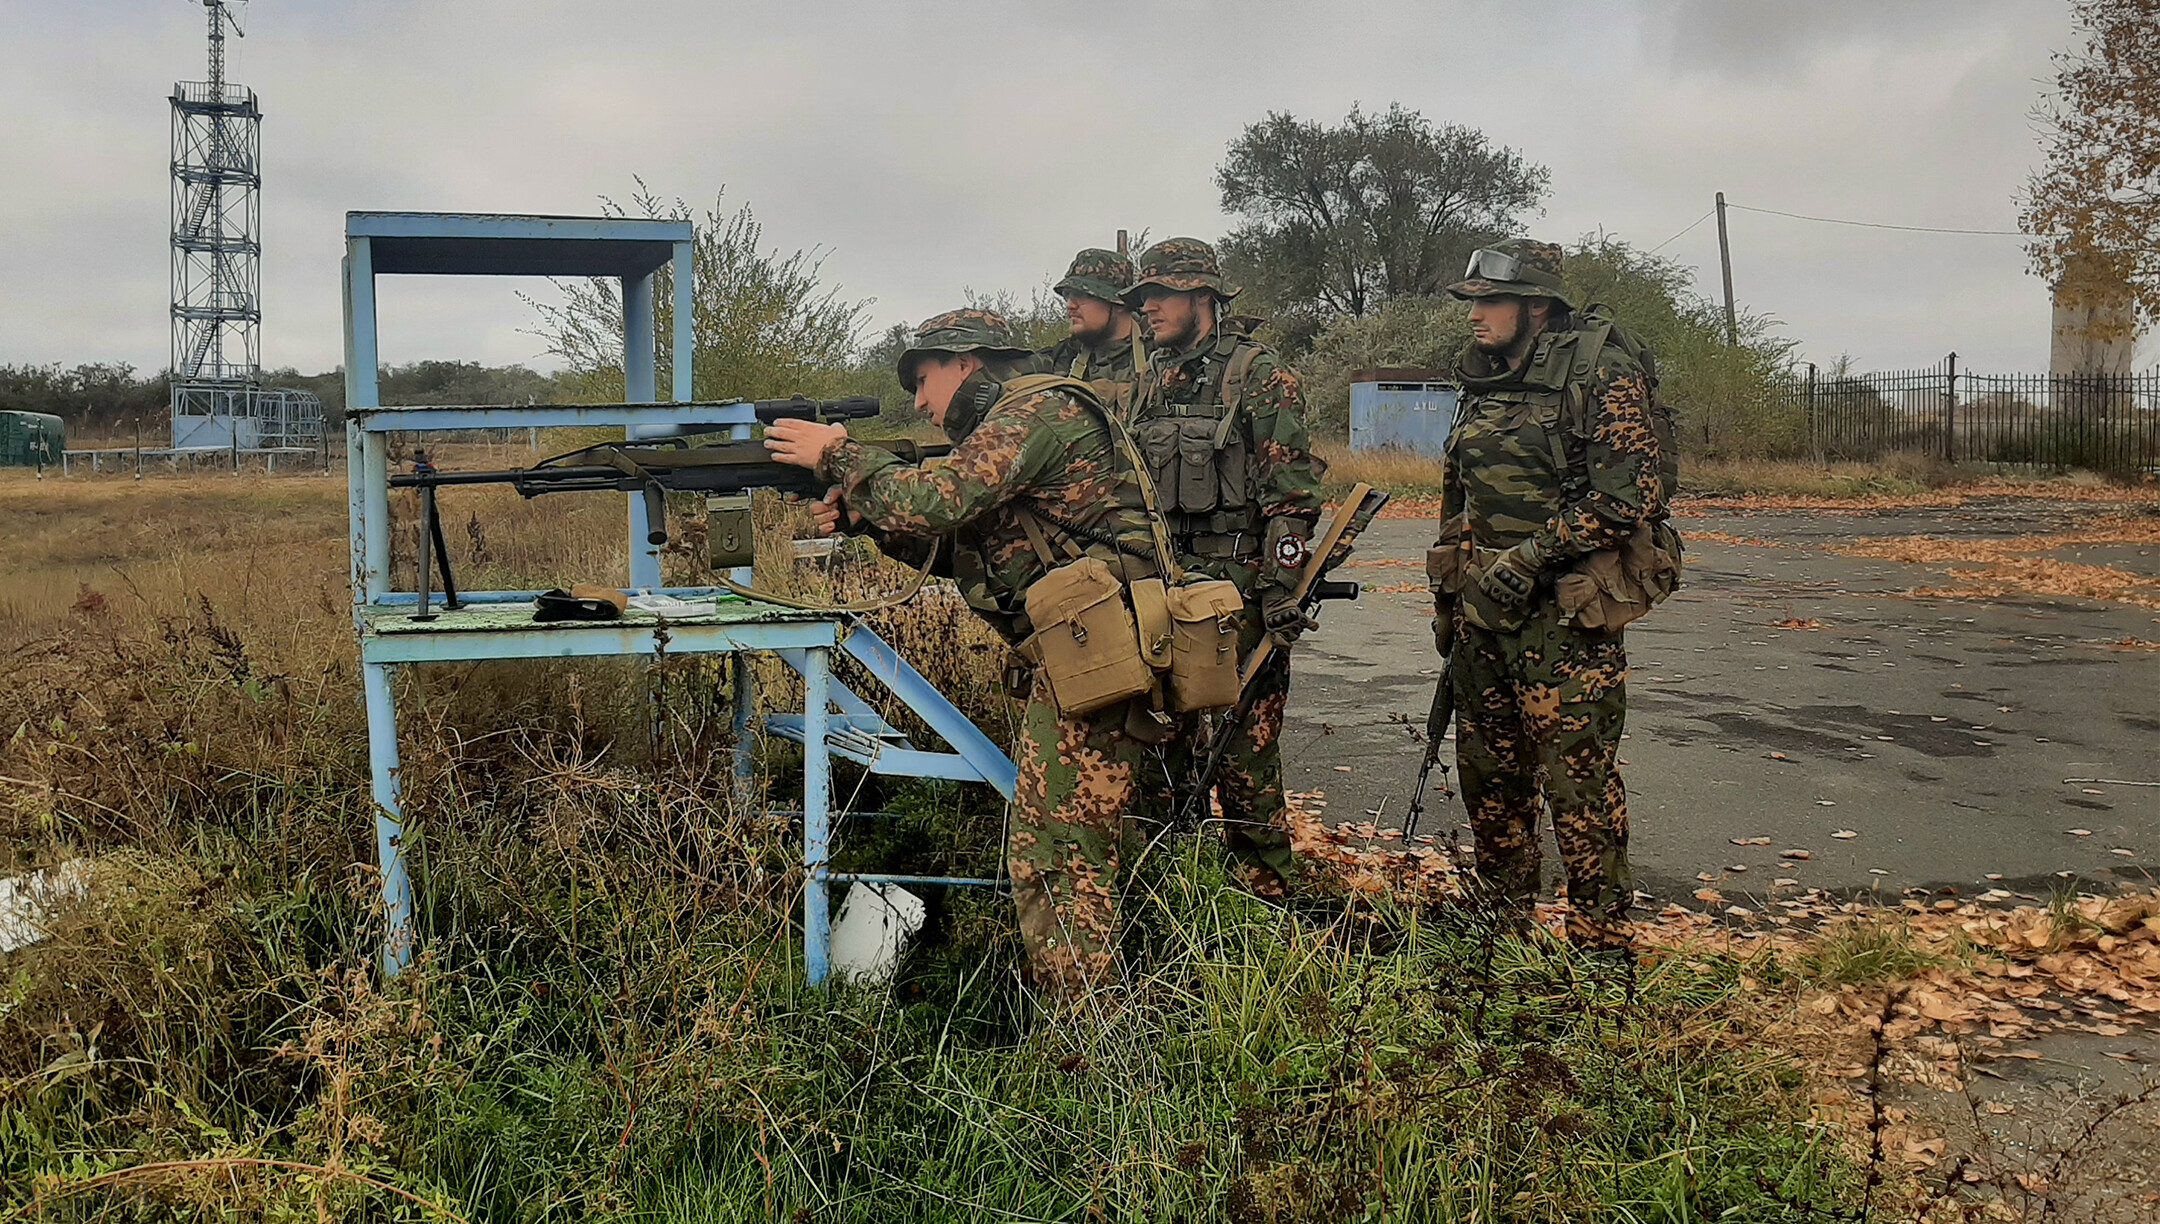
[1151, 616]
[1204, 618]
[1084, 642]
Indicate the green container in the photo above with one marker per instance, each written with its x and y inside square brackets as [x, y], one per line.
[31, 439]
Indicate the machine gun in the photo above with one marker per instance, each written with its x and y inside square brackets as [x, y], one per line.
[725, 472]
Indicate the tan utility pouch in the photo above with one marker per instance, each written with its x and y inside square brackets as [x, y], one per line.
[1151, 616]
[1084, 640]
[1204, 618]
[1613, 588]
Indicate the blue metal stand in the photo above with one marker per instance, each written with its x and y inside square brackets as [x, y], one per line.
[499, 624]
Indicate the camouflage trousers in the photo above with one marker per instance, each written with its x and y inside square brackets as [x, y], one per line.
[1249, 785]
[1071, 838]
[1539, 713]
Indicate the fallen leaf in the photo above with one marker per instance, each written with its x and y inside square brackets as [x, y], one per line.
[1737, 867]
[1705, 876]
[1802, 855]
[1783, 882]
[1750, 841]
[1779, 756]
[1826, 803]
[2090, 791]
[1709, 894]
[2080, 832]
[1844, 835]
[1342, 769]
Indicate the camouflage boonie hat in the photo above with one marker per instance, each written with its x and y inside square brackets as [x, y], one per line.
[1517, 267]
[967, 330]
[1183, 264]
[1096, 273]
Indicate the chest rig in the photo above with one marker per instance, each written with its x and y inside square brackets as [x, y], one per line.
[1199, 452]
[1117, 389]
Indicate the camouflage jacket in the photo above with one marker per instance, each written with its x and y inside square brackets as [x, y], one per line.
[1539, 452]
[1044, 451]
[1247, 487]
[1107, 367]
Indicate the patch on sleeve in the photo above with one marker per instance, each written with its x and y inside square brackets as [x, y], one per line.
[1289, 553]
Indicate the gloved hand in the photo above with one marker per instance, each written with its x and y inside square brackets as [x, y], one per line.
[1509, 577]
[1443, 625]
[1283, 618]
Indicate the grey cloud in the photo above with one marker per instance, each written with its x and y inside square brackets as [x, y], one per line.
[925, 149]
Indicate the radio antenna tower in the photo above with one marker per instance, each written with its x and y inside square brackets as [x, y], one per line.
[216, 248]
[218, 399]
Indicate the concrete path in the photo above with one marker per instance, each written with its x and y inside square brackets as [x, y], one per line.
[1938, 731]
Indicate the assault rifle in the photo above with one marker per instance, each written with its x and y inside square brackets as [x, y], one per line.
[725, 472]
[1313, 587]
[1436, 724]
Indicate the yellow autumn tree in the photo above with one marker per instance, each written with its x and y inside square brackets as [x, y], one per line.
[2093, 209]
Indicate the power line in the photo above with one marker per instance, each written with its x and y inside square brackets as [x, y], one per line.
[1683, 233]
[1912, 229]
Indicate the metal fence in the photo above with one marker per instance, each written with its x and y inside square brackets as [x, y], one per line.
[2104, 423]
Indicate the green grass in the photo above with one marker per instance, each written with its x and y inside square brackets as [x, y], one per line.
[587, 1036]
[608, 1017]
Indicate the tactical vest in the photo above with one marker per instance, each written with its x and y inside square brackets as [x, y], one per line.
[1548, 412]
[1200, 454]
[1552, 400]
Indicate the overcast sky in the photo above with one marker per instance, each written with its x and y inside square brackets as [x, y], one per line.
[930, 146]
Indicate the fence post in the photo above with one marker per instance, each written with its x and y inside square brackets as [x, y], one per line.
[1814, 426]
[1950, 410]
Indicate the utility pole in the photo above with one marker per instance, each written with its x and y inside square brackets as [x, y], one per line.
[1724, 254]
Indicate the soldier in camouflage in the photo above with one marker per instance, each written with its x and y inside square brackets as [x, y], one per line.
[1220, 423]
[1038, 447]
[1105, 349]
[1554, 470]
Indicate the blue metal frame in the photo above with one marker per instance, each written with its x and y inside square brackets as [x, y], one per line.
[476, 244]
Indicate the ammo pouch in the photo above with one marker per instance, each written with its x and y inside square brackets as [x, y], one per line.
[1614, 587]
[1084, 641]
[1196, 463]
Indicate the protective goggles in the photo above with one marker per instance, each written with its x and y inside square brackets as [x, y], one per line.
[1492, 266]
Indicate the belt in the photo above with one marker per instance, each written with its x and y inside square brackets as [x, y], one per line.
[1236, 546]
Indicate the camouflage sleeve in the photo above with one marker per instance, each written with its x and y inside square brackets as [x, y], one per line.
[1285, 474]
[1623, 490]
[1004, 456]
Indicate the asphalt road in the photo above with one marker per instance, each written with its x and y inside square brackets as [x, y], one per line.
[1938, 731]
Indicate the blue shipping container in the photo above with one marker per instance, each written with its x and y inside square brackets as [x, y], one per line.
[1407, 416]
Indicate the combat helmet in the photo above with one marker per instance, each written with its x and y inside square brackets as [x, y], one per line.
[1516, 267]
[1097, 273]
[1182, 264]
[967, 330]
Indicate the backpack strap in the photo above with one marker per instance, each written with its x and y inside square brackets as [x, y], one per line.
[1158, 526]
[1235, 373]
[1079, 365]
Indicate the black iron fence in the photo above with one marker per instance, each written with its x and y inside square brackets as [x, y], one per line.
[2105, 423]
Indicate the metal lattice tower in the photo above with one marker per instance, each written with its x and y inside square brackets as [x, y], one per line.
[216, 243]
